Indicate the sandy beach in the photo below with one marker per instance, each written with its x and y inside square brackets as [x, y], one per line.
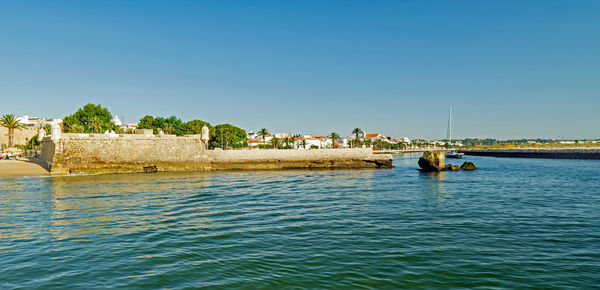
[22, 167]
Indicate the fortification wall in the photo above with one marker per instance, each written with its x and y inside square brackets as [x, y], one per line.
[103, 153]
[100, 153]
[48, 149]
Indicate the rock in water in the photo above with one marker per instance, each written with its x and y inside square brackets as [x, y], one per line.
[432, 161]
[468, 165]
[450, 167]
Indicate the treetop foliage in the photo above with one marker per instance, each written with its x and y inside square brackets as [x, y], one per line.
[90, 118]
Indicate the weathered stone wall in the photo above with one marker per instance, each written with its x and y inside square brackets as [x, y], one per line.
[48, 149]
[20, 136]
[288, 159]
[99, 153]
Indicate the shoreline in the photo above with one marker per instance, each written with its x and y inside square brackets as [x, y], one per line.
[28, 166]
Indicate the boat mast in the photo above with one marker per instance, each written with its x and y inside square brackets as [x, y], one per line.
[450, 127]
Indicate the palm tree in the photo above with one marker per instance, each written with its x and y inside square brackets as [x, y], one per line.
[333, 137]
[275, 142]
[73, 128]
[263, 133]
[95, 124]
[11, 123]
[168, 128]
[47, 129]
[304, 143]
[293, 139]
[356, 132]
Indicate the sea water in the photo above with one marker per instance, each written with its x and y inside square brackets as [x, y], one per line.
[512, 223]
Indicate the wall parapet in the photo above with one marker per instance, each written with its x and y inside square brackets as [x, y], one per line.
[75, 136]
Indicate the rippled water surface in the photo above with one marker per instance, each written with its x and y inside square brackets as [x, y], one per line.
[513, 223]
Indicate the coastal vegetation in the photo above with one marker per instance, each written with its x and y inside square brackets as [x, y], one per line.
[220, 136]
[275, 143]
[93, 118]
[334, 136]
[169, 125]
[227, 135]
[11, 123]
[357, 132]
[194, 127]
[263, 133]
[88, 119]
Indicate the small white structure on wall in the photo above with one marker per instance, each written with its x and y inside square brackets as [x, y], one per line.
[56, 132]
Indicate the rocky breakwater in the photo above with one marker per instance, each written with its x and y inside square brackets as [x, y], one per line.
[434, 161]
[551, 153]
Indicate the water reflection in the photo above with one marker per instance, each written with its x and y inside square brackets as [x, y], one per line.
[120, 204]
[23, 202]
[436, 184]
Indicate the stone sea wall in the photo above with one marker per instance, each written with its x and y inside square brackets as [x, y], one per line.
[104, 153]
[575, 153]
[292, 159]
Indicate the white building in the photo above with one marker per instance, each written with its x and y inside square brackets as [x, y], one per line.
[36, 122]
[116, 121]
[31, 122]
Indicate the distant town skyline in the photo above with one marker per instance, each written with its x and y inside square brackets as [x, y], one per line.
[509, 69]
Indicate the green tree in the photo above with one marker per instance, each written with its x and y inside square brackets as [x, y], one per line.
[275, 143]
[10, 122]
[229, 135]
[146, 122]
[286, 141]
[263, 133]
[72, 125]
[33, 143]
[115, 128]
[91, 117]
[174, 125]
[357, 132]
[194, 127]
[292, 140]
[334, 136]
[168, 128]
[95, 124]
[170, 125]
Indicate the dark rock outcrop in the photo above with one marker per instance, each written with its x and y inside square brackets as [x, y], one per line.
[432, 161]
[451, 167]
[468, 165]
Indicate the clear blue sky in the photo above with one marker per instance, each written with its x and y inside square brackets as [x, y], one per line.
[509, 68]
